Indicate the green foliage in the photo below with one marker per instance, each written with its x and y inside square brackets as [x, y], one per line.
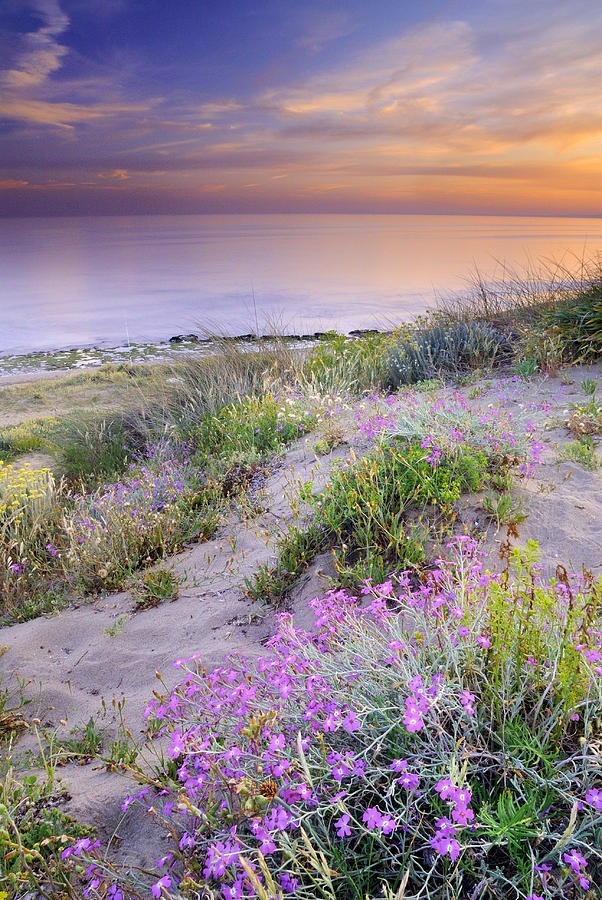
[85, 745]
[586, 418]
[503, 508]
[526, 367]
[410, 745]
[33, 832]
[538, 349]
[348, 365]
[196, 388]
[366, 506]
[578, 324]
[446, 350]
[154, 587]
[25, 437]
[30, 506]
[93, 449]
[252, 425]
[126, 525]
[534, 627]
[583, 452]
[376, 514]
[296, 550]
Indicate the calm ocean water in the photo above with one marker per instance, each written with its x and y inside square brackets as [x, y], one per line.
[80, 282]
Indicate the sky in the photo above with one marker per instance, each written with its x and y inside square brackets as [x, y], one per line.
[245, 106]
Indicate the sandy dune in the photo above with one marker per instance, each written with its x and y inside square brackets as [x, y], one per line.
[68, 664]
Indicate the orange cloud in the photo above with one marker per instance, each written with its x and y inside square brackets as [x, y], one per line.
[11, 184]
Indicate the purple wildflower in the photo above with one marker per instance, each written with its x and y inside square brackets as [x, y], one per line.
[342, 826]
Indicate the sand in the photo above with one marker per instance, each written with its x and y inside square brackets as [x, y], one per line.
[72, 666]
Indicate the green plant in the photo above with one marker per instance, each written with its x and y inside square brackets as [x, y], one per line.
[446, 349]
[126, 525]
[547, 626]
[34, 831]
[12, 721]
[296, 550]
[197, 387]
[577, 323]
[30, 506]
[123, 750]
[349, 365]
[154, 587]
[252, 425]
[503, 508]
[92, 449]
[117, 627]
[333, 435]
[85, 745]
[586, 418]
[583, 452]
[25, 437]
[375, 514]
[538, 350]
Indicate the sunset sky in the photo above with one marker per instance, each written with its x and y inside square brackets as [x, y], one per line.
[182, 106]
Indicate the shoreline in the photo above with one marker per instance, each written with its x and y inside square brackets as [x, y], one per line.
[47, 363]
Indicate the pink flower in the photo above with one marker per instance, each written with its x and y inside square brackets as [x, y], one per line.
[594, 798]
[462, 815]
[446, 789]
[446, 846]
[157, 888]
[342, 826]
[467, 700]
[409, 781]
[371, 817]
[575, 860]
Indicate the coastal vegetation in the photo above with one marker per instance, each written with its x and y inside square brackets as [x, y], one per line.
[436, 733]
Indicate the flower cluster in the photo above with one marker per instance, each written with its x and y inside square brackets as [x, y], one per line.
[24, 492]
[126, 523]
[367, 748]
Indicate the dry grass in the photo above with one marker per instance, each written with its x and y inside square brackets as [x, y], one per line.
[516, 295]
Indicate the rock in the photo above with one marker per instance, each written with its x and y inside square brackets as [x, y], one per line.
[362, 332]
[181, 338]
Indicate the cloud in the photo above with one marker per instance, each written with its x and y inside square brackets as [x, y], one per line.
[459, 85]
[11, 184]
[115, 175]
[506, 97]
[39, 53]
[65, 115]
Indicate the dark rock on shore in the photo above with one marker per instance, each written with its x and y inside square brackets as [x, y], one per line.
[188, 338]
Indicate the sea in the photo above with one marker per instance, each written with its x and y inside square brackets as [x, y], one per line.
[113, 281]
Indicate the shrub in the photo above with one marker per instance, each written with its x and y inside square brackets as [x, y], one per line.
[446, 349]
[350, 365]
[197, 387]
[34, 830]
[29, 506]
[578, 325]
[253, 425]
[93, 449]
[154, 587]
[130, 523]
[25, 437]
[437, 741]
[382, 511]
